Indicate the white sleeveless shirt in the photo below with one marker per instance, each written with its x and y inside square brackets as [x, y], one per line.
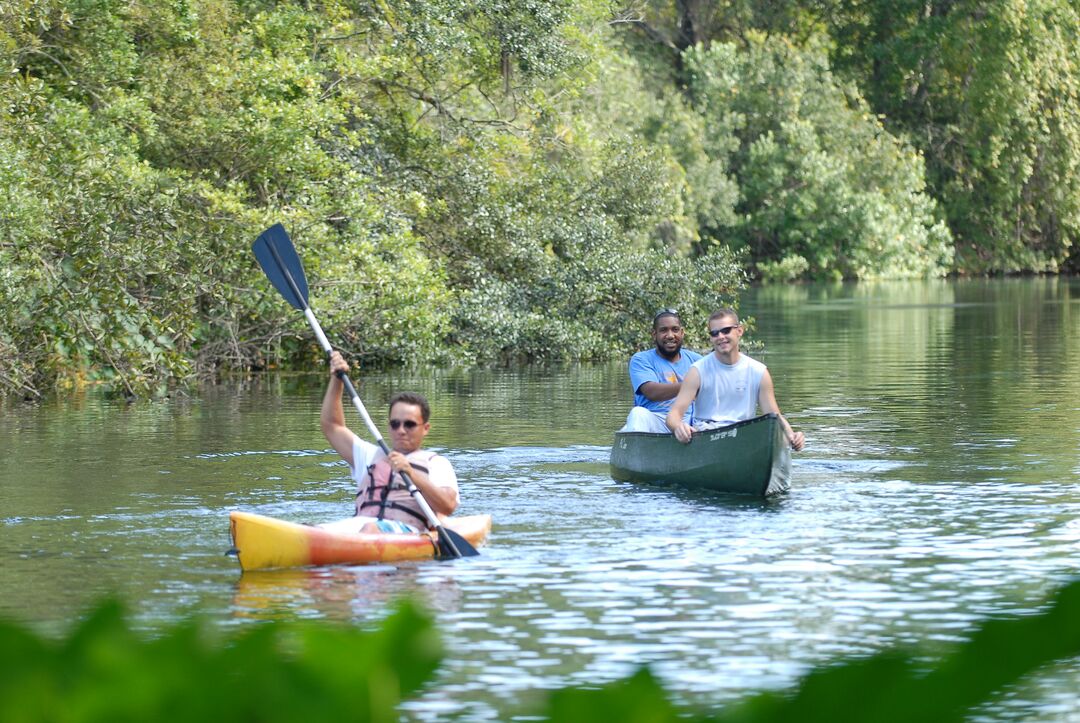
[728, 392]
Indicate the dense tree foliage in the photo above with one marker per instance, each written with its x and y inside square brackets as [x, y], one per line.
[502, 179]
[989, 92]
[425, 156]
[986, 92]
[824, 189]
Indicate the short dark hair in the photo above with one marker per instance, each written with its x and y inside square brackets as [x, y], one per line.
[726, 311]
[665, 312]
[411, 398]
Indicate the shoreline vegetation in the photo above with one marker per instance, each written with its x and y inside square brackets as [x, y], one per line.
[503, 180]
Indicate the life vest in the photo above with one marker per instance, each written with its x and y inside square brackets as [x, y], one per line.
[385, 495]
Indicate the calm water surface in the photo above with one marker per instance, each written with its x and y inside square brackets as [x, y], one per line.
[940, 486]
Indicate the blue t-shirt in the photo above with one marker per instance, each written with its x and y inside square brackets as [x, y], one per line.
[649, 366]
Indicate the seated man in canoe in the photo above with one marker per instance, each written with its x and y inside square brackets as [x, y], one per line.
[383, 503]
[656, 374]
[726, 386]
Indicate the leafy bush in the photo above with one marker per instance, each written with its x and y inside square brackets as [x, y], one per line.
[819, 176]
[788, 268]
[889, 686]
[276, 671]
[988, 93]
[432, 161]
[459, 174]
[104, 671]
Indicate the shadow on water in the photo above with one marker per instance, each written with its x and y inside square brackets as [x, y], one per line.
[667, 494]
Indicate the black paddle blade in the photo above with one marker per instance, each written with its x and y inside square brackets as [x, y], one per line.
[277, 256]
[452, 545]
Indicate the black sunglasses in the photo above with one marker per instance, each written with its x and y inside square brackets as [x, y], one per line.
[409, 424]
[723, 330]
[665, 312]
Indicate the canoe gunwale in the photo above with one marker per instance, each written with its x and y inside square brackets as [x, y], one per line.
[734, 425]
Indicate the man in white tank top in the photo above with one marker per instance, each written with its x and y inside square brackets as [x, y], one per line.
[726, 386]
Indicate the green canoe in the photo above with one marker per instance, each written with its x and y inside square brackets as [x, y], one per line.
[750, 457]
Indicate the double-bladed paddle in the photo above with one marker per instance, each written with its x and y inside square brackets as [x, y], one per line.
[277, 256]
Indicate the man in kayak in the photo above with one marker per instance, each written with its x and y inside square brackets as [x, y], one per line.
[383, 502]
[656, 374]
[726, 386]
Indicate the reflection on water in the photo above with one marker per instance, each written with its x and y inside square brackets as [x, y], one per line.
[338, 593]
[939, 487]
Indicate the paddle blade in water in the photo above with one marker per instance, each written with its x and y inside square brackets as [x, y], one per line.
[277, 256]
[452, 545]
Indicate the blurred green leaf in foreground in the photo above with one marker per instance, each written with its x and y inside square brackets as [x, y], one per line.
[889, 686]
[271, 672]
[105, 671]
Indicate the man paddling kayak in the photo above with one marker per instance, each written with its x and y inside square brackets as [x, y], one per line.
[383, 502]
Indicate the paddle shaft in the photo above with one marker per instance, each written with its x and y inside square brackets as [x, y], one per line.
[432, 519]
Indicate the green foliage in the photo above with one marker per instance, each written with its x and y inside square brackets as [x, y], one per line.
[892, 686]
[788, 268]
[684, 24]
[1019, 201]
[888, 686]
[105, 671]
[273, 672]
[561, 260]
[428, 158]
[504, 179]
[98, 302]
[989, 92]
[820, 179]
[446, 35]
[780, 157]
[585, 310]
[637, 699]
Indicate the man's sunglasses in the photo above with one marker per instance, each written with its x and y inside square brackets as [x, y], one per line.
[723, 330]
[395, 424]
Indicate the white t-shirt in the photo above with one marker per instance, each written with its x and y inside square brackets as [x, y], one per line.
[728, 392]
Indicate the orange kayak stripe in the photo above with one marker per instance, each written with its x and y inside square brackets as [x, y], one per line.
[266, 542]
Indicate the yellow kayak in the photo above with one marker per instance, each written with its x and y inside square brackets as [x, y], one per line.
[261, 542]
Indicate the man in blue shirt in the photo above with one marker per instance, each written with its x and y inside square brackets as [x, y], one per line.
[656, 374]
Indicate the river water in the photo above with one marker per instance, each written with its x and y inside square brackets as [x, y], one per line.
[940, 486]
